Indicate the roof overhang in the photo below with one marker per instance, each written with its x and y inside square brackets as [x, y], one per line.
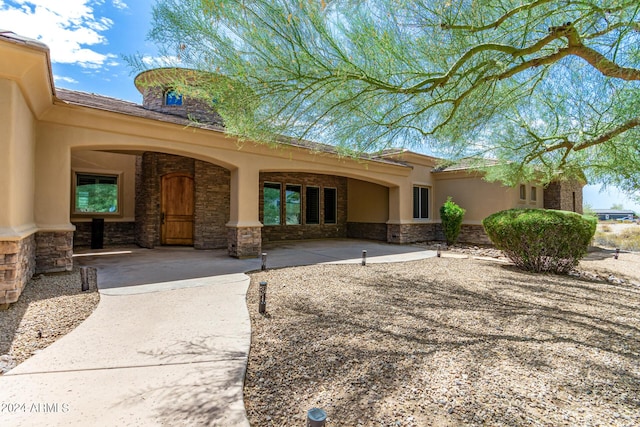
[26, 62]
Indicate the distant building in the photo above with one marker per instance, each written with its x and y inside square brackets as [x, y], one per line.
[606, 214]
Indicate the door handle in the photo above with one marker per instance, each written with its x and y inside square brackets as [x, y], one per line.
[162, 217]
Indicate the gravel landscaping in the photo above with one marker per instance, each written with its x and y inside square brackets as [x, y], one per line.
[50, 307]
[447, 342]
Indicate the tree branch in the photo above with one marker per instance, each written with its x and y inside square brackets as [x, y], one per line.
[603, 64]
[497, 22]
[635, 122]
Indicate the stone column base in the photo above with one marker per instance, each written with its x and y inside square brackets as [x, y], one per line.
[54, 251]
[244, 242]
[17, 265]
[410, 233]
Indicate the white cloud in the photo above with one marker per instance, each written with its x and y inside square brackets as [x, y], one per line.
[161, 61]
[68, 27]
[119, 4]
[64, 79]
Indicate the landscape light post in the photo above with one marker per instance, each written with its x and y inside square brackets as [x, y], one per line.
[263, 298]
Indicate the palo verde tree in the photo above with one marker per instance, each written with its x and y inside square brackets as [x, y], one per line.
[548, 86]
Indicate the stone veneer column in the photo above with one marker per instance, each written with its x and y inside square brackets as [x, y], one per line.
[244, 230]
[244, 242]
[410, 233]
[17, 265]
[41, 252]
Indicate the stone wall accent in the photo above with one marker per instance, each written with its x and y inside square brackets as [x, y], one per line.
[147, 202]
[473, 234]
[192, 109]
[272, 233]
[212, 210]
[212, 185]
[244, 242]
[115, 234]
[54, 251]
[410, 233]
[367, 230]
[564, 195]
[17, 265]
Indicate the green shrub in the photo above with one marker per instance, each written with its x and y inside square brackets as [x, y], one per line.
[541, 239]
[451, 216]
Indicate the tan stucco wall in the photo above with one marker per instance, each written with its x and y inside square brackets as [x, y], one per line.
[67, 129]
[480, 198]
[122, 164]
[17, 154]
[367, 202]
[401, 198]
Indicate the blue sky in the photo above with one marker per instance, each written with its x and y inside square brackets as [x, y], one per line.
[88, 39]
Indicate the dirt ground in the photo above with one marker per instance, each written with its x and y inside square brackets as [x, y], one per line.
[447, 342]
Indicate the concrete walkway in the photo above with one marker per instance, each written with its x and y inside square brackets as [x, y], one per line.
[168, 342]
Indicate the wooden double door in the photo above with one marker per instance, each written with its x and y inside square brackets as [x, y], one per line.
[177, 208]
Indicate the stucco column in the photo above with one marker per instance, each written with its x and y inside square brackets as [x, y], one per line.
[401, 227]
[244, 227]
[54, 240]
[17, 177]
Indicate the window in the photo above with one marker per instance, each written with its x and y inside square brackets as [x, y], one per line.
[293, 212]
[330, 205]
[96, 194]
[421, 202]
[312, 211]
[523, 192]
[171, 97]
[271, 204]
[533, 195]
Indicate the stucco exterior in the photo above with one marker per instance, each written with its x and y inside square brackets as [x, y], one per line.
[481, 198]
[48, 135]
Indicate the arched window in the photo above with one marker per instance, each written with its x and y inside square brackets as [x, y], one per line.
[171, 97]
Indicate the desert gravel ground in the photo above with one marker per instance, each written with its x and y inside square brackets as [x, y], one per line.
[442, 342]
[50, 306]
[447, 342]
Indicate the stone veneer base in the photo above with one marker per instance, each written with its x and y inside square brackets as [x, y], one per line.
[367, 230]
[54, 251]
[17, 265]
[244, 242]
[411, 233]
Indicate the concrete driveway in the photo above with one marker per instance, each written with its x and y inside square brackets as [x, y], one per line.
[168, 342]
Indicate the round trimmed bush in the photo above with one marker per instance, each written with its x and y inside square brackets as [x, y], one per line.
[541, 239]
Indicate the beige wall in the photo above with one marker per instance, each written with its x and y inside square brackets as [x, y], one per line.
[480, 198]
[17, 154]
[367, 202]
[401, 197]
[99, 161]
[66, 129]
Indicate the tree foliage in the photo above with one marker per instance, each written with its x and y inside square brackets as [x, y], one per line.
[547, 85]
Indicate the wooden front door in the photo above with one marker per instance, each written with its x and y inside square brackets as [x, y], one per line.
[177, 209]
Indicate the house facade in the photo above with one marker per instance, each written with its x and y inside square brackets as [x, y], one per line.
[148, 175]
